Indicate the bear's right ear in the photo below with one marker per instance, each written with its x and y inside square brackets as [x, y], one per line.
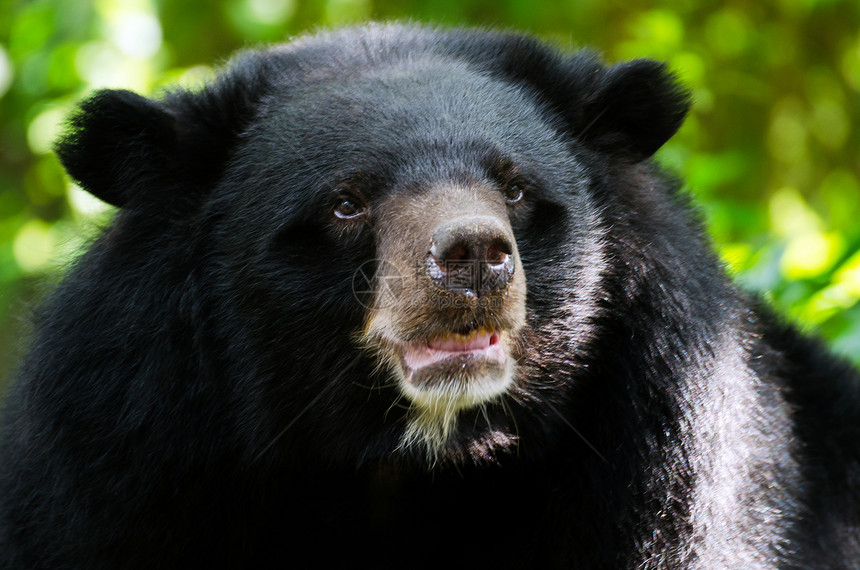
[118, 144]
[129, 150]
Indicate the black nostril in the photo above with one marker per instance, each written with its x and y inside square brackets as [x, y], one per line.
[457, 253]
[471, 255]
[497, 253]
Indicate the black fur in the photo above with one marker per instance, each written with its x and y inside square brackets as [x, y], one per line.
[195, 397]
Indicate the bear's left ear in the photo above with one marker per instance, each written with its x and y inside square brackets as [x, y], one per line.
[629, 109]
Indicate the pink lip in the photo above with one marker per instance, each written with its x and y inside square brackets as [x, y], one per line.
[478, 340]
[481, 343]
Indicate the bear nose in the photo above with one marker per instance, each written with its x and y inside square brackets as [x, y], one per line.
[472, 255]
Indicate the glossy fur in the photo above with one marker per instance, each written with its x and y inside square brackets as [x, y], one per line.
[205, 389]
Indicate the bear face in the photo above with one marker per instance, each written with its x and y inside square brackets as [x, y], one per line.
[390, 285]
[423, 191]
[339, 176]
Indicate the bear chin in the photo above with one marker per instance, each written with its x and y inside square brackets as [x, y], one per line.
[439, 384]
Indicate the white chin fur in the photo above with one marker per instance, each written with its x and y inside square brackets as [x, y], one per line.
[435, 405]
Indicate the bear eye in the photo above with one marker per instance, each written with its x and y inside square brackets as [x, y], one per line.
[514, 192]
[349, 208]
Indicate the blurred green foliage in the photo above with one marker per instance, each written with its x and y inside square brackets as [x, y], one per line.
[770, 149]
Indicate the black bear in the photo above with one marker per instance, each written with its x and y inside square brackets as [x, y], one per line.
[395, 296]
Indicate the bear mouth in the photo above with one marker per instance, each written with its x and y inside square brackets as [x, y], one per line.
[446, 373]
[455, 348]
[460, 369]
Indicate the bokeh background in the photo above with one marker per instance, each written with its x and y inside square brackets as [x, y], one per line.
[770, 148]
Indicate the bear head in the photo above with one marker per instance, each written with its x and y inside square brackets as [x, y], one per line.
[388, 233]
